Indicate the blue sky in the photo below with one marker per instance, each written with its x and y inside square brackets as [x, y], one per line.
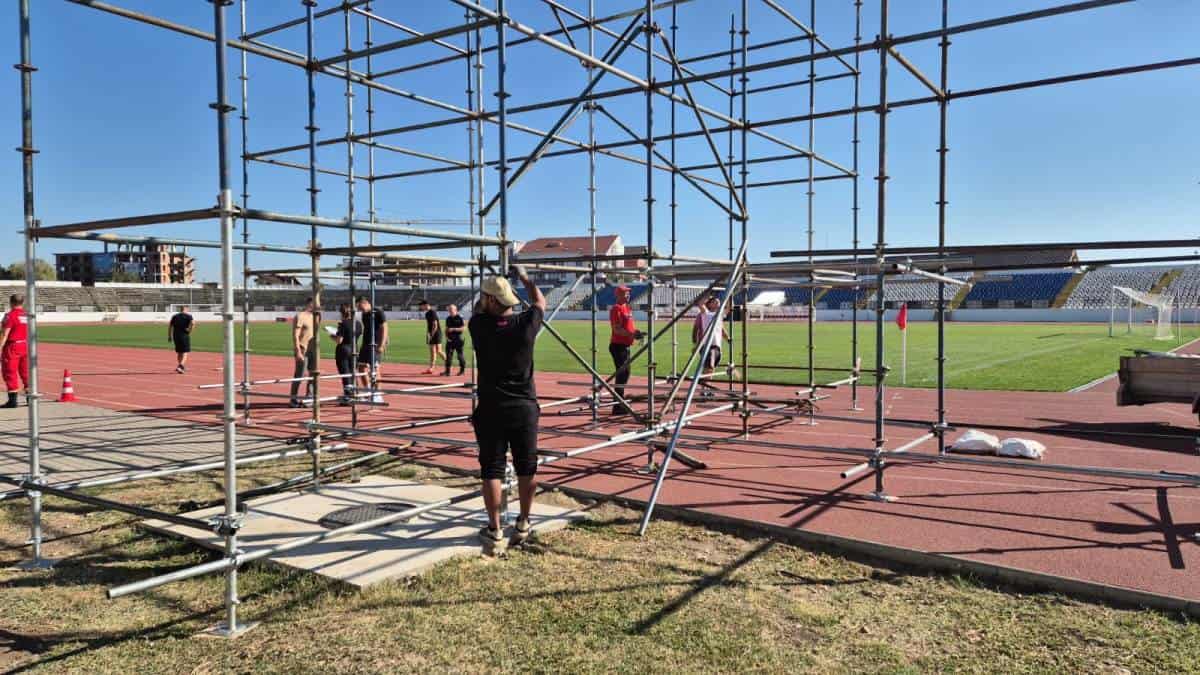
[122, 123]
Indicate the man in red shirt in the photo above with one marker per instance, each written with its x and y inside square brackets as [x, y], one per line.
[624, 334]
[14, 353]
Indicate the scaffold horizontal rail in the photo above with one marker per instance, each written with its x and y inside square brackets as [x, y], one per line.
[128, 221]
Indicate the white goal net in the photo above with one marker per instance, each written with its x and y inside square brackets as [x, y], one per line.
[1143, 311]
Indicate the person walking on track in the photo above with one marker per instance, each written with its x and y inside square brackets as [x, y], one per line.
[433, 336]
[346, 336]
[454, 339]
[374, 343]
[304, 349]
[14, 349]
[179, 332]
[506, 417]
[708, 314]
[624, 334]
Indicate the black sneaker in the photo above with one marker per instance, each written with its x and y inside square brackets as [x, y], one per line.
[493, 541]
[179, 369]
[520, 532]
[461, 370]
[295, 403]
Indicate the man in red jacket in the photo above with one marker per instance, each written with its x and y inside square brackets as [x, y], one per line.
[624, 334]
[14, 351]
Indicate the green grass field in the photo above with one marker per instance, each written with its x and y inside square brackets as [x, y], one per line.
[1031, 357]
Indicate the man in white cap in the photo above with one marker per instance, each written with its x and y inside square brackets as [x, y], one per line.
[506, 418]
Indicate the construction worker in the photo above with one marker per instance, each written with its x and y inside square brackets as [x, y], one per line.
[506, 419]
[14, 350]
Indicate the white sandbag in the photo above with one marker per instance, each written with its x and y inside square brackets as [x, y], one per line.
[1021, 447]
[976, 442]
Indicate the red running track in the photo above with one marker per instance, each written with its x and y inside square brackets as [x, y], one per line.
[1142, 535]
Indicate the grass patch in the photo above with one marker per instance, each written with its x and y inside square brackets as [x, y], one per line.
[1012, 357]
[590, 598]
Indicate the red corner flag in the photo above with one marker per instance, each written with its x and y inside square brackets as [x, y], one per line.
[902, 317]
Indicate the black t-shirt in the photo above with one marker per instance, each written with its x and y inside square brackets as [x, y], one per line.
[372, 325]
[431, 321]
[455, 321]
[349, 330]
[504, 350]
[181, 323]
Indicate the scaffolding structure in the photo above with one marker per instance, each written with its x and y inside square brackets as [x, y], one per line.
[483, 41]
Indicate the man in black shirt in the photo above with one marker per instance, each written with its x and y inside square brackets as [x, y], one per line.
[454, 339]
[433, 336]
[506, 417]
[346, 336]
[179, 332]
[374, 343]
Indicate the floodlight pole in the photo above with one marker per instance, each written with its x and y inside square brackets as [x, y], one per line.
[230, 520]
[27, 151]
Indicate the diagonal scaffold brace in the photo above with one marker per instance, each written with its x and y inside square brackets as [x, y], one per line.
[701, 348]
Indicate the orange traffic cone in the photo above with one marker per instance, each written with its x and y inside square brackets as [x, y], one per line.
[68, 391]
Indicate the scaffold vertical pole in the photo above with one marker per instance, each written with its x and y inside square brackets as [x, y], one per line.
[854, 207]
[674, 207]
[745, 174]
[315, 257]
[877, 460]
[943, 102]
[350, 218]
[27, 151]
[372, 214]
[811, 193]
[591, 110]
[244, 119]
[230, 521]
[729, 164]
[502, 118]
[649, 29]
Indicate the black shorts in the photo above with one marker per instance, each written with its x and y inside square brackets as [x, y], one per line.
[504, 428]
[183, 344]
[714, 357]
[368, 355]
[435, 339]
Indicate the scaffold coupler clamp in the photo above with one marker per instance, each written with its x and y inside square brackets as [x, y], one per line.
[224, 525]
[30, 479]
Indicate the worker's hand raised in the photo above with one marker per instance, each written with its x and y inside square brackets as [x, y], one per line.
[519, 272]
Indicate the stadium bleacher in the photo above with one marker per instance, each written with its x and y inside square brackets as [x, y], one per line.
[1037, 289]
[1186, 287]
[607, 297]
[1095, 289]
[1033, 289]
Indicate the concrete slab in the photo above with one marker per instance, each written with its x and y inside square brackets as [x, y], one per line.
[81, 441]
[397, 550]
